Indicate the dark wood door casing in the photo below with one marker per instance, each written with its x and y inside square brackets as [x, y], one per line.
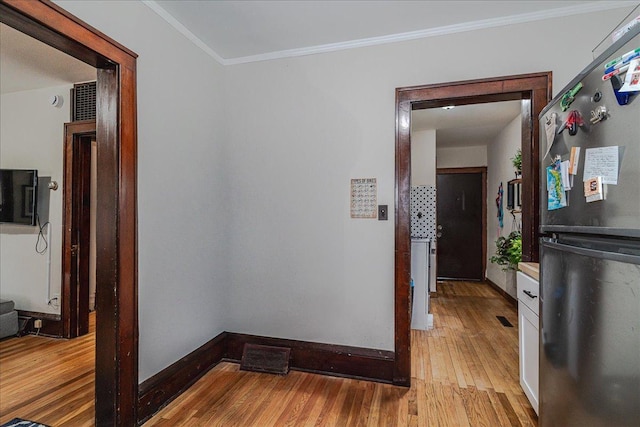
[76, 227]
[116, 269]
[534, 90]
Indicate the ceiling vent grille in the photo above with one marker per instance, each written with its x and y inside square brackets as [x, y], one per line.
[84, 101]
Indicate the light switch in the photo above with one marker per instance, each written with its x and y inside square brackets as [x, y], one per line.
[382, 213]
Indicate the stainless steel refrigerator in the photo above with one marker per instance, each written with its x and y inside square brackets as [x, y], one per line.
[590, 249]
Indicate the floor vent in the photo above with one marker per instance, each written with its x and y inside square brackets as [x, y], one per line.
[504, 321]
[266, 359]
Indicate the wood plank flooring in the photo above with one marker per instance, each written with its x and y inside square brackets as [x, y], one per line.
[465, 373]
[49, 380]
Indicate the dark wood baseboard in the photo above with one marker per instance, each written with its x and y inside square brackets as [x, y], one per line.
[51, 323]
[502, 292]
[326, 359]
[157, 391]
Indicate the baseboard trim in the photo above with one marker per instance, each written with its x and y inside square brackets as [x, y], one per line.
[162, 388]
[51, 323]
[327, 359]
[502, 292]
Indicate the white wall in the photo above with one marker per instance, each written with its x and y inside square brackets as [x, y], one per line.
[183, 218]
[461, 157]
[257, 195]
[423, 157]
[32, 137]
[500, 170]
[301, 268]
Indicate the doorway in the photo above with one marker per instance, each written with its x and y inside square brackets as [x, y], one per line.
[116, 360]
[534, 90]
[461, 218]
[77, 254]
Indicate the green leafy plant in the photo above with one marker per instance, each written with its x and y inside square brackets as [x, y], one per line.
[517, 161]
[508, 251]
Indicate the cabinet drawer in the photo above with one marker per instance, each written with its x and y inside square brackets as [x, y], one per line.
[528, 291]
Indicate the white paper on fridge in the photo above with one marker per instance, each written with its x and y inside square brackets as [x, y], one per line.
[593, 189]
[632, 79]
[564, 171]
[573, 160]
[602, 162]
[550, 128]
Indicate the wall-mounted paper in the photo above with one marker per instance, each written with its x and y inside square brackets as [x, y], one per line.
[364, 198]
[603, 162]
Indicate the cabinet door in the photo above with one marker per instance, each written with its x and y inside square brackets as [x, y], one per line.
[529, 356]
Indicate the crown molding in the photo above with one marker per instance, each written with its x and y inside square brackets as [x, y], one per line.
[597, 6]
[153, 5]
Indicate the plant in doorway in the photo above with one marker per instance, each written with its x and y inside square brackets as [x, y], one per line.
[508, 251]
[517, 162]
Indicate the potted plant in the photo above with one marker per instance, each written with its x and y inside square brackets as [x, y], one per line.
[517, 162]
[508, 251]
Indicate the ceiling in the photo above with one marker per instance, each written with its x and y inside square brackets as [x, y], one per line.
[466, 125]
[246, 31]
[235, 32]
[27, 64]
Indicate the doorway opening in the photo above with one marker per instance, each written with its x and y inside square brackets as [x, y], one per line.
[116, 383]
[78, 254]
[534, 90]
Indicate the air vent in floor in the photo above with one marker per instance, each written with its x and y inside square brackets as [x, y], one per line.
[504, 322]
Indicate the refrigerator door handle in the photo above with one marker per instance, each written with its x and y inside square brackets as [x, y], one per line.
[593, 253]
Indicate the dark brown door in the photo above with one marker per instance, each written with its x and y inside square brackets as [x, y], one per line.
[77, 217]
[460, 225]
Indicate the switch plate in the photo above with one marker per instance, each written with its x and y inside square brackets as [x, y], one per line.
[383, 213]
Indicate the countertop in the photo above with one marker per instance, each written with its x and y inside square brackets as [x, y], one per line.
[531, 269]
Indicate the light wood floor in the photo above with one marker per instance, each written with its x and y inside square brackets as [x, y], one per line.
[48, 380]
[465, 373]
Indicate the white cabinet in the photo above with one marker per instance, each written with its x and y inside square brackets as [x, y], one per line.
[420, 317]
[528, 323]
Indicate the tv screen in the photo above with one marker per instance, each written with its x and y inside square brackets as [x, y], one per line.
[18, 196]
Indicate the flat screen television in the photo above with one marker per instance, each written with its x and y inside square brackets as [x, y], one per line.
[18, 196]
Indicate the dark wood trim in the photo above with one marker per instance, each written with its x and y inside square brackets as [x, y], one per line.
[535, 92]
[74, 301]
[116, 282]
[502, 292]
[159, 390]
[326, 359]
[481, 170]
[51, 323]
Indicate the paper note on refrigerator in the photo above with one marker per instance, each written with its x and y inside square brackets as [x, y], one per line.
[556, 196]
[550, 128]
[632, 79]
[573, 160]
[603, 162]
[564, 172]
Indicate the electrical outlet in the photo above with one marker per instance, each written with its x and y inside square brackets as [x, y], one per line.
[37, 323]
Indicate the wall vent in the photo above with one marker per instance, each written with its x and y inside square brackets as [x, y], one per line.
[84, 101]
